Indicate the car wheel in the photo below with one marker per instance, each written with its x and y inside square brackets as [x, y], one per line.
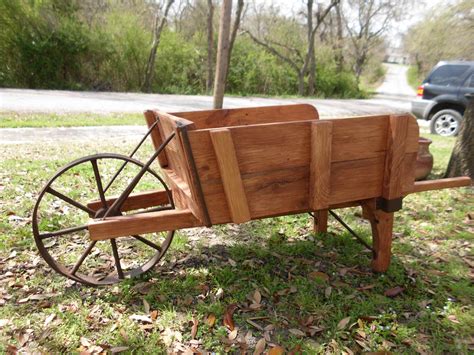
[446, 123]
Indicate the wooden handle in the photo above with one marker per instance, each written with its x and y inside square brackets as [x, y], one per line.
[428, 185]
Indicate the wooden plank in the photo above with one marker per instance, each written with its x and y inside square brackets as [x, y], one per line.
[179, 163]
[320, 221]
[251, 115]
[230, 175]
[357, 179]
[439, 184]
[396, 149]
[156, 137]
[135, 201]
[320, 167]
[113, 227]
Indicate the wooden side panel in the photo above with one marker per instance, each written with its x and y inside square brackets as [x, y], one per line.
[151, 118]
[320, 167]
[274, 163]
[253, 115]
[183, 184]
[230, 175]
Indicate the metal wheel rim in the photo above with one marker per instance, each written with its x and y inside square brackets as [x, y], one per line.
[109, 279]
[446, 125]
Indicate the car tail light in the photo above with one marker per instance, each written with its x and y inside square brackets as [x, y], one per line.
[419, 91]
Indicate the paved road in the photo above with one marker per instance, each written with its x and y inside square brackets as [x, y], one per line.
[394, 95]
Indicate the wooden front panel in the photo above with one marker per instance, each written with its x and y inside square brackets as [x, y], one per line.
[251, 115]
[274, 162]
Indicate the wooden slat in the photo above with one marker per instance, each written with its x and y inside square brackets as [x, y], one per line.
[179, 163]
[396, 148]
[251, 115]
[320, 167]
[230, 175]
[135, 201]
[156, 137]
[151, 222]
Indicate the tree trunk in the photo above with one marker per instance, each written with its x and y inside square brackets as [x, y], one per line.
[301, 83]
[310, 38]
[462, 157]
[312, 75]
[157, 30]
[222, 53]
[339, 52]
[233, 36]
[210, 45]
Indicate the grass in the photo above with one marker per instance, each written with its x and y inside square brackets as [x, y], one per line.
[316, 293]
[25, 119]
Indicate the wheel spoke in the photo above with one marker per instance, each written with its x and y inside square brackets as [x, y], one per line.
[99, 182]
[116, 258]
[147, 242]
[70, 201]
[62, 232]
[83, 257]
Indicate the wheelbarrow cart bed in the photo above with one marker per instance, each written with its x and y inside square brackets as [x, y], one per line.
[237, 165]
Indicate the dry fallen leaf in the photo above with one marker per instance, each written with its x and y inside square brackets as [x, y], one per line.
[318, 275]
[228, 320]
[257, 297]
[146, 306]
[118, 349]
[194, 328]
[233, 334]
[343, 323]
[277, 350]
[211, 320]
[297, 332]
[392, 292]
[260, 347]
[49, 319]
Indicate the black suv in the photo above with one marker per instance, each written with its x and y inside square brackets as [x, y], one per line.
[443, 96]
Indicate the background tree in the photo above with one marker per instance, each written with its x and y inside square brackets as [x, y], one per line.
[158, 25]
[461, 161]
[443, 34]
[210, 45]
[284, 47]
[366, 21]
[222, 53]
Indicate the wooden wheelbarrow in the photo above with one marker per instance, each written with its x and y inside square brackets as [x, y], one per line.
[237, 165]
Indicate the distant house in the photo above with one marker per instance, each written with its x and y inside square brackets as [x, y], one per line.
[396, 55]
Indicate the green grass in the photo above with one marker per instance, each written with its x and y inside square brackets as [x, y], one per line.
[207, 270]
[16, 120]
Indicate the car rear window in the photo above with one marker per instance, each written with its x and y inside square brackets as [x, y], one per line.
[448, 75]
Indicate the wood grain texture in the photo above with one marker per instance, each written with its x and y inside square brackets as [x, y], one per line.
[274, 163]
[135, 201]
[429, 185]
[251, 115]
[320, 221]
[230, 175]
[156, 137]
[394, 164]
[179, 172]
[320, 166]
[113, 227]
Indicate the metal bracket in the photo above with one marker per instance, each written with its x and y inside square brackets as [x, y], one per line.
[389, 206]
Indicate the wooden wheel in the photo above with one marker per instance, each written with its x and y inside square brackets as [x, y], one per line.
[64, 208]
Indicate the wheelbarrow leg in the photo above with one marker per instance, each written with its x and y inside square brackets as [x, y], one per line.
[382, 228]
[321, 221]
